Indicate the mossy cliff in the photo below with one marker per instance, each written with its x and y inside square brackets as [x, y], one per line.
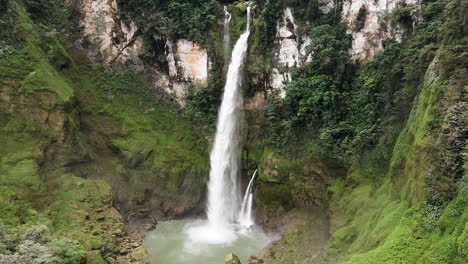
[394, 190]
[80, 140]
[416, 213]
[361, 158]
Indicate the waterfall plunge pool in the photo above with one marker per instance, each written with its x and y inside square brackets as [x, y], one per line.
[173, 242]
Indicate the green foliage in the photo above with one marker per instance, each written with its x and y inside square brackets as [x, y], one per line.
[38, 8]
[68, 251]
[318, 89]
[181, 18]
[4, 5]
[202, 106]
[13, 211]
[352, 110]
[37, 246]
[53, 13]
[402, 16]
[309, 12]
[268, 15]
[360, 18]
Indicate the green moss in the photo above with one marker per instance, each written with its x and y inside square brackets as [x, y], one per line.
[14, 211]
[84, 205]
[94, 257]
[133, 138]
[238, 21]
[395, 222]
[45, 78]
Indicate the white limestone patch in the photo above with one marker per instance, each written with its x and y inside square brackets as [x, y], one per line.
[289, 52]
[368, 41]
[188, 62]
[106, 37]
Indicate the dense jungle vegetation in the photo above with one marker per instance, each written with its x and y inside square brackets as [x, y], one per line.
[86, 149]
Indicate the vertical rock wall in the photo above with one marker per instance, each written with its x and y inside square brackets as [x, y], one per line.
[107, 39]
[367, 41]
[289, 52]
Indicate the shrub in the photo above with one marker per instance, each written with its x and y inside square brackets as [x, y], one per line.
[4, 5]
[202, 106]
[360, 18]
[36, 247]
[68, 251]
[403, 16]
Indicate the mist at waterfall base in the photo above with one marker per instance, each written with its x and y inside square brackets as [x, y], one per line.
[230, 225]
[169, 244]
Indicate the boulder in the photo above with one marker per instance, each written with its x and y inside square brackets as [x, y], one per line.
[232, 259]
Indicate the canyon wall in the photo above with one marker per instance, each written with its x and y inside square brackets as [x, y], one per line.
[107, 38]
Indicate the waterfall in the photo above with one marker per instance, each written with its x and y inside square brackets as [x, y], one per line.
[223, 186]
[224, 196]
[246, 218]
[226, 37]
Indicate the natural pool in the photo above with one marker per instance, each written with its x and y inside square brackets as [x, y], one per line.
[170, 243]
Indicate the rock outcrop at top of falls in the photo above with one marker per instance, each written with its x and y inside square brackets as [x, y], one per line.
[112, 40]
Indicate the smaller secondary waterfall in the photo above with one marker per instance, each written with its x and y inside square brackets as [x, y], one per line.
[226, 37]
[246, 218]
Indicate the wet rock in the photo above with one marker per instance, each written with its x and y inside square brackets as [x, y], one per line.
[139, 253]
[232, 259]
[110, 260]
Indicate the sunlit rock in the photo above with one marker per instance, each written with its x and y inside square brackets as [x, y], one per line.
[232, 259]
[367, 41]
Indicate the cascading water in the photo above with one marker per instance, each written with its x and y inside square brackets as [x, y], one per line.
[226, 37]
[224, 187]
[230, 225]
[246, 218]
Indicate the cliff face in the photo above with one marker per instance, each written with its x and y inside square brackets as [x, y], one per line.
[78, 141]
[289, 51]
[369, 24]
[88, 144]
[107, 38]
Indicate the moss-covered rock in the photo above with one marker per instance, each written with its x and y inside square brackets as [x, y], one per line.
[403, 219]
[232, 259]
[77, 140]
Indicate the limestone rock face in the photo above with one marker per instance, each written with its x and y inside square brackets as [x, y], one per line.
[106, 37]
[368, 40]
[289, 51]
[188, 61]
[188, 64]
[109, 39]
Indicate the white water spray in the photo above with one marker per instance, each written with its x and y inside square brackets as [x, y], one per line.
[226, 37]
[246, 218]
[223, 187]
[224, 196]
